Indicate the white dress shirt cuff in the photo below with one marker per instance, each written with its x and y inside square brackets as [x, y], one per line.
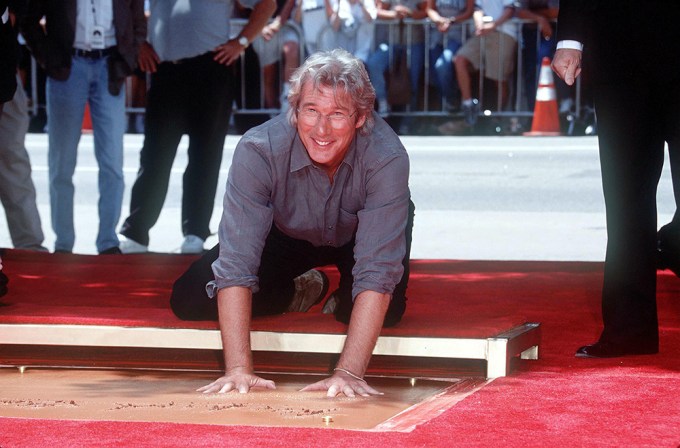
[570, 44]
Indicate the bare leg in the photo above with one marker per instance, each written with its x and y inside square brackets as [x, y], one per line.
[463, 69]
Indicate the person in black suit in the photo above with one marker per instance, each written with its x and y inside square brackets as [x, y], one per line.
[631, 53]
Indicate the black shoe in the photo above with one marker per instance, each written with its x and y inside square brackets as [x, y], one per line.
[668, 253]
[471, 112]
[668, 260]
[310, 289]
[3, 283]
[609, 350]
[115, 250]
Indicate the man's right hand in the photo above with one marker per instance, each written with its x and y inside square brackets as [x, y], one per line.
[567, 64]
[238, 380]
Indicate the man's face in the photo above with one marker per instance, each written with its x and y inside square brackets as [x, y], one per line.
[327, 122]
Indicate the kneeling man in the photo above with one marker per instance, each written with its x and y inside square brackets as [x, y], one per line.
[325, 184]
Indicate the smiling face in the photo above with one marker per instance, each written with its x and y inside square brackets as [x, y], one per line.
[326, 142]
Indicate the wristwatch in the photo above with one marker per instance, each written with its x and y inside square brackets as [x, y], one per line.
[243, 41]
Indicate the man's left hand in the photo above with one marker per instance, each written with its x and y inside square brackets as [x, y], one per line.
[342, 383]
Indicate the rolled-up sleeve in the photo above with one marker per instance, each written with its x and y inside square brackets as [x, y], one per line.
[380, 239]
[246, 219]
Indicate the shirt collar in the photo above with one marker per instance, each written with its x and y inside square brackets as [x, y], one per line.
[299, 158]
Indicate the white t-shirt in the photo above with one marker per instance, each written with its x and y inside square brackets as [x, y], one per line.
[94, 25]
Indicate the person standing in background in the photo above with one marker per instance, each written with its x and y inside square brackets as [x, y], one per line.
[278, 42]
[8, 84]
[350, 26]
[411, 37]
[190, 55]
[448, 16]
[17, 192]
[8, 55]
[88, 48]
[499, 39]
[632, 62]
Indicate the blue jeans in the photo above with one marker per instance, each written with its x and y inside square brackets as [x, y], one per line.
[379, 62]
[443, 73]
[66, 101]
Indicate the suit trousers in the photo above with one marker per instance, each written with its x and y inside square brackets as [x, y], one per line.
[193, 97]
[635, 119]
[17, 191]
[283, 259]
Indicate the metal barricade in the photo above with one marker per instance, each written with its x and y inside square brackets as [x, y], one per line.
[242, 106]
[430, 103]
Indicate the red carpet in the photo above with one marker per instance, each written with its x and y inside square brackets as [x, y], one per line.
[557, 400]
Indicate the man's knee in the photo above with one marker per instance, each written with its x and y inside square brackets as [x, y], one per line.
[191, 302]
[189, 299]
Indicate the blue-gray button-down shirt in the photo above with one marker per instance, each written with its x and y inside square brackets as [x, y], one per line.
[272, 180]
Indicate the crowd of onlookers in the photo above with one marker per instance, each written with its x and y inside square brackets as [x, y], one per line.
[168, 68]
[436, 40]
[446, 60]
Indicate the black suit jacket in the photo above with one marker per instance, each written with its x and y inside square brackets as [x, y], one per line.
[52, 45]
[624, 40]
[8, 58]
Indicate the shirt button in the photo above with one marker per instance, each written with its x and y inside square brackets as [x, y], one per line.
[330, 227]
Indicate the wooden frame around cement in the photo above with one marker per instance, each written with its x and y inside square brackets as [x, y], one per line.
[497, 350]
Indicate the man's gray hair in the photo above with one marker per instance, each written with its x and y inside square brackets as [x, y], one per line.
[337, 69]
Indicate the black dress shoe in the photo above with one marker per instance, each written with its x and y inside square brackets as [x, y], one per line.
[609, 350]
[668, 253]
[3, 283]
[111, 251]
[668, 260]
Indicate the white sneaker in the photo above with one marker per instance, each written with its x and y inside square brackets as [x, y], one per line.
[192, 245]
[128, 246]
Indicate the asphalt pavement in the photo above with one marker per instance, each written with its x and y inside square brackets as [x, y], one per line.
[477, 198]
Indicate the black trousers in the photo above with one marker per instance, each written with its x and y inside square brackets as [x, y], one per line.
[283, 259]
[634, 121]
[195, 98]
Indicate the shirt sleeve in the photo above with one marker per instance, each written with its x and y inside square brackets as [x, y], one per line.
[380, 239]
[570, 44]
[246, 219]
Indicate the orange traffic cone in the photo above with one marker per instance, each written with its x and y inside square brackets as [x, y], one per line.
[87, 120]
[546, 118]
